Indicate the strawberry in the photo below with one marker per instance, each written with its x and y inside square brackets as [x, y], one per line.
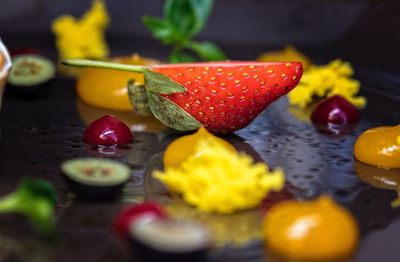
[225, 97]
[221, 96]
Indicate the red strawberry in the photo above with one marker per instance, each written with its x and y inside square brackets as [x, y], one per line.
[222, 96]
[225, 97]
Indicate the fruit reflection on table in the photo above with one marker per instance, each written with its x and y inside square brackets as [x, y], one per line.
[380, 178]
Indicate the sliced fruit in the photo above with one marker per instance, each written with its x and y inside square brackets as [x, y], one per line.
[225, 97]
[30, 73]
[95, 178]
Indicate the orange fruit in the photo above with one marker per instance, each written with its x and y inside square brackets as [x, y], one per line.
[379, 146]
[318, 230]
[184, 147]
[106, 88]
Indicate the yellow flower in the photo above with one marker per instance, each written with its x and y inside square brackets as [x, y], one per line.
[82, 38]
[325, 81]
[288, 54]
[221, 181]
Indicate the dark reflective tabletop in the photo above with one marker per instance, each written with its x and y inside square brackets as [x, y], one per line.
[38, 134]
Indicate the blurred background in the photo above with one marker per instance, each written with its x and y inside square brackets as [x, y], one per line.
[364, 32]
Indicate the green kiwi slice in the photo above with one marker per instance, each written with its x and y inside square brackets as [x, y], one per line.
[96, 171]
[31, 70]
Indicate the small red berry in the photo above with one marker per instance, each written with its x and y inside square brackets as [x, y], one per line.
[335, 110]
[107, 131]
[335, 115]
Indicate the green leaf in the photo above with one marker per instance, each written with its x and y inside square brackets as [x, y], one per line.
[207, 51]
[161, 29]
[161, 84]
[170, 114]
[181, 57]
[138, 98]
[188, 17]
[183, 19]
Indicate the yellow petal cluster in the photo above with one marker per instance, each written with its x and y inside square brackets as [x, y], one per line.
[288, 54]
[325, 81]
[82, 38]
[221, 181]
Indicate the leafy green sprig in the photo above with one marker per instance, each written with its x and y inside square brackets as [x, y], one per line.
[183, 19]
[35, 199]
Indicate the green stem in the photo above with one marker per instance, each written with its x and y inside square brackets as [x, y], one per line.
[8, 203]
[101, 64]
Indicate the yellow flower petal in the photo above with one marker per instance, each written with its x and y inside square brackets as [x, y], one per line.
[82, 38]
[221, 181]
[325, 81]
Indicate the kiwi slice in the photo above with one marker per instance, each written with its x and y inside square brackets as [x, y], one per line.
[95, 178]
[30, 73]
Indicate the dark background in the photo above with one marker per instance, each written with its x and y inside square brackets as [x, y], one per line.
[362, 31]
[46, 131]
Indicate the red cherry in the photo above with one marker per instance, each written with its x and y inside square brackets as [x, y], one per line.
[128, 216]
[335, 110]
[107, 131]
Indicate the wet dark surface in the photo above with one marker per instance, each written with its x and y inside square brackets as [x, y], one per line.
[37, 135]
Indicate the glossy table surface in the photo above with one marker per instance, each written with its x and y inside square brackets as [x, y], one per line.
[38, 134]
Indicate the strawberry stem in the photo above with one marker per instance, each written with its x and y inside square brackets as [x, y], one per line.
[101, 64]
